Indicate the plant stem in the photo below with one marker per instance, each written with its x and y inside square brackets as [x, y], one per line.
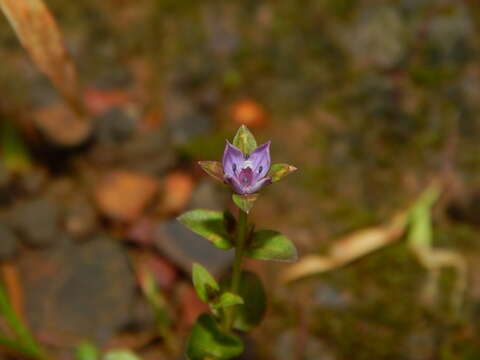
[237, 266]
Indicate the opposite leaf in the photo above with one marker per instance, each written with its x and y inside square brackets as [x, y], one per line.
[208, 341]
[227, 299]
[271, 245]
[209, 224]
[205, 285]
[279, 171]
[245, 202]
[213, 168]
[244, 140]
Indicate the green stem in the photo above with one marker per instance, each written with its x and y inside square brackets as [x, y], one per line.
[237, 267]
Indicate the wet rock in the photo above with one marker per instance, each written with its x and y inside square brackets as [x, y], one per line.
[37, 221]
[313, 349]
[78, 291]
[185, 247]
[8, 242]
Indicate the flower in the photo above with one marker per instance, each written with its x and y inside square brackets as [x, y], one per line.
[246, 173]
[246, 167]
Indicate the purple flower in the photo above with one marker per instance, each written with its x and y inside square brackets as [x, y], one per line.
[246, 173]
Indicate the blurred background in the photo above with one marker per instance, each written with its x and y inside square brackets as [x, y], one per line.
[105, 108]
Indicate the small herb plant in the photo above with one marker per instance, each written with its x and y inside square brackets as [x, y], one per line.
[238, 302]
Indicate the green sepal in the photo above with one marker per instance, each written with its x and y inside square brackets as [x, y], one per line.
[227, 299]
[205, 285]
[271, 245]
[279, 171]
[249, 314]
[208, 341]
[245, 202]
[210, 224]
[213, 168]
[244, 140]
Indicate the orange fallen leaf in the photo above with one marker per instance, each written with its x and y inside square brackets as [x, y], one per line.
[177, 190]
[249, 113]
[123, 195]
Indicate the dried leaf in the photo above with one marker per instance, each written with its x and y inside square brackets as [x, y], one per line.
[348, 249]
[39, 34]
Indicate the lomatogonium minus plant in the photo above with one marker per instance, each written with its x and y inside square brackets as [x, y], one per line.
[237, 303]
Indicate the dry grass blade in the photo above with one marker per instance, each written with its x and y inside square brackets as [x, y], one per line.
[39, 34]
[348, 249]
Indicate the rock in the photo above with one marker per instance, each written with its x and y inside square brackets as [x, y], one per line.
[80, 218]
[209, 195]
[122, 194]
[151, 153]
[78, 291]
[37, 221]
[115, 126]
[313, 348]
[185, 247]
[8, 242]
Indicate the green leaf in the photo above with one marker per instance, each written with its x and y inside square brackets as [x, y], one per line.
[279, 171]
[120, 354]
[205, 285]
[245, 202]
[213, 168]
[249, 314]
[227, 299]
[209, 224]
[208, 341]
[271, 245]
[244, 140]
[86, 351]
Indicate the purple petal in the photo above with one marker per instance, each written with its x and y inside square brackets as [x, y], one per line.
[260, 160]
[235, 184]
[259, 184]
[233, 160]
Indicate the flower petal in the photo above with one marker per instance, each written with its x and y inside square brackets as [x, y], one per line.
[235, 184]
[260, 160]
[259, 184]
[233, 159]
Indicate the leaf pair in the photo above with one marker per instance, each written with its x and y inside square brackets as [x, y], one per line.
[213, 225]
[209, 291]
[216, 227]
